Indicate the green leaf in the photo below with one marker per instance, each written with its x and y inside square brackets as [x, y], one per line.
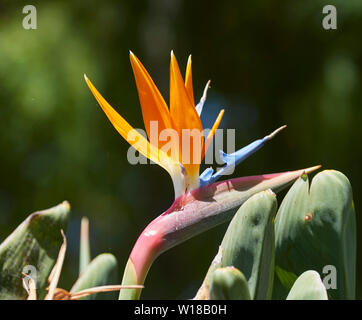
[316, 229]
[102, 271]
[33, 247]
[286, 278]
[228, 284]
[308, 286]
[248, 245]
[283, 282]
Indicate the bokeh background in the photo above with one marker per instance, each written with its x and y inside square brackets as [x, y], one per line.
[270, 62]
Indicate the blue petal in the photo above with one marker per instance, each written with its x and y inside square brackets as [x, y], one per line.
[242, 154]
[233, 159]
[206, 176]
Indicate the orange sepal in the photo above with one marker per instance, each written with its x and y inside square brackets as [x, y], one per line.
[211, 134]
[185, 116]
[154, 107]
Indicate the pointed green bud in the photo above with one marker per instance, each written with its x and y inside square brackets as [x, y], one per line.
[228, 284]
[308, 286]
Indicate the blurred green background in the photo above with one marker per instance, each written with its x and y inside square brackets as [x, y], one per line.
[270, 62]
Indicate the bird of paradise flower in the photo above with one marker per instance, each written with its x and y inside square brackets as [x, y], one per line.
[200, 203]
